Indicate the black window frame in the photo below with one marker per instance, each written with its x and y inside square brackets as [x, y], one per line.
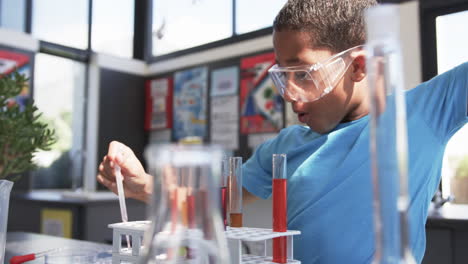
[429, 11]
[142, 35]
[235, 38]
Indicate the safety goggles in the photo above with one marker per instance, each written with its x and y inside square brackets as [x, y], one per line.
[307, 83]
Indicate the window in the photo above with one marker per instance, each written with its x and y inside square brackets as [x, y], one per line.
[12, 15]
[184, 24]
[250, 18]
[62, 79]
[61, 22]
[452, 41]
[112, 27]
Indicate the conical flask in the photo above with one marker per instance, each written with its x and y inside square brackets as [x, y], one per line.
[186, 220]
[388, 137]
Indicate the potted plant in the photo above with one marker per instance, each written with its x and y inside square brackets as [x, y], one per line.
[459, 183]
[21, 135]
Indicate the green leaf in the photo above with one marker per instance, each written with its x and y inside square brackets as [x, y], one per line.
[22, 133]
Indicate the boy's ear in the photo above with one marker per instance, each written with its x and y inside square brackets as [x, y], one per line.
[358, 67]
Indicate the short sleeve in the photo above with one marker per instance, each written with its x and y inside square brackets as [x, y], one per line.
[256, 171]
[443, 101]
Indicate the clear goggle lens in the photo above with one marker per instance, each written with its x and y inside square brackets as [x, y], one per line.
[311, 82]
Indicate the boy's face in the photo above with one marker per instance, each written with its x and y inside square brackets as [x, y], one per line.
[345, 102]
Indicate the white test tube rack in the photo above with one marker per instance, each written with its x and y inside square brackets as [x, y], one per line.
[136, 229]
[235, 236]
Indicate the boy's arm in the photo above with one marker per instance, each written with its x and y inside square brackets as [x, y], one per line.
[443, 101]
[256, 173]
[248, 198]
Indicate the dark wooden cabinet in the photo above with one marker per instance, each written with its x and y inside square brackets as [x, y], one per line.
[447, 235]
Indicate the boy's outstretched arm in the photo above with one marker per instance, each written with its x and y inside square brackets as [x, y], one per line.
[137, 183]
[443, 102]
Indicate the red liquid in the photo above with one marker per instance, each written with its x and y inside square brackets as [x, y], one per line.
[174, 209]
[280, 193]
[224, 205]
[202, 207]
[191, 210]
[236, 219]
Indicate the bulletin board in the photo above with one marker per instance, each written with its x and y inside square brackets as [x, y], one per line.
[230, 102]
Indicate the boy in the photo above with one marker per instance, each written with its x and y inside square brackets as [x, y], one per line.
[329, 182]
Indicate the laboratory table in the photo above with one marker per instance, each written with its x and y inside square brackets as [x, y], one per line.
[22, 243]
[446, 227]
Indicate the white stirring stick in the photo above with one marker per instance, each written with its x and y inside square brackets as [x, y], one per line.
[120, 191]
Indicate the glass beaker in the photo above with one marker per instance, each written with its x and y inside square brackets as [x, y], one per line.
[388, 136]
[185, 212]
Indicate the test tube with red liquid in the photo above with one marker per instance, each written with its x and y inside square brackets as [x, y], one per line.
[224, 184]
[280, 207]
[235, 191]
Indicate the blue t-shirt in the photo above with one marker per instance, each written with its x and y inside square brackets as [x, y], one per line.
[329, 176]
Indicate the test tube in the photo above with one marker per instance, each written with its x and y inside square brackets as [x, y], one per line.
[388, 136]
[280, 207]
[235, 191]
[224, 191]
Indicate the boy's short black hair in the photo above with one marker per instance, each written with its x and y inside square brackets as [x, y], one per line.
[334, 24]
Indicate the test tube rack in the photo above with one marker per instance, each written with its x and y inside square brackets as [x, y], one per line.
[235, 236]
[192, 238]
[136, 229]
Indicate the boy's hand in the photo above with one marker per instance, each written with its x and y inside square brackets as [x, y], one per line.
[136, 182]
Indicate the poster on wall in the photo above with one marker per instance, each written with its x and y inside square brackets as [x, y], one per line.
[224, 105]
[11, 61]
[190, 94]
[158, 94]
[261, 104]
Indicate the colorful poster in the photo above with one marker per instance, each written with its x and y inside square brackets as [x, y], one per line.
[225, 81]
[11, 61]
[190, 96]
[261, 104]
[158, 104]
